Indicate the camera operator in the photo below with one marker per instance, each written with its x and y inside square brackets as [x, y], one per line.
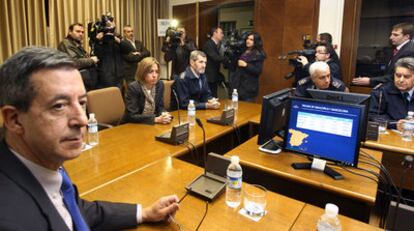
[327, 38]
[249, 66]
[323, 53]
[214, 59]
[107, 48]
[177, 48]
[72, 45]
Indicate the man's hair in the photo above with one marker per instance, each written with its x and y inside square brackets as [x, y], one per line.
[126, 26]
[326, 37]
[213, 29]
[407, 28]
[74, 24]
[194, 55]
[144, 67]
[16, 87]
[318, 66]
[328, 48]
[407, 62]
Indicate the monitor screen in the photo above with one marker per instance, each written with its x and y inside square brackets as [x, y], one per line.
[273, 116]
[346, 97]
[324, 129]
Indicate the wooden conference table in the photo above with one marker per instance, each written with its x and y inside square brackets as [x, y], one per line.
[170, 176]
[394, 149]
[127, 148]
[355, 195]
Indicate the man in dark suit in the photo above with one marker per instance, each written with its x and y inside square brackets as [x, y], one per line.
[214, 59]
[42, 101]
[72, 45]
[400, 39]
[133, 51]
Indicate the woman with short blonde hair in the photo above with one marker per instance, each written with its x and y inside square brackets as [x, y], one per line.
[144, 101]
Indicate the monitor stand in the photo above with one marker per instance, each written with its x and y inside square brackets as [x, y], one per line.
[271, 147]
[320, 165]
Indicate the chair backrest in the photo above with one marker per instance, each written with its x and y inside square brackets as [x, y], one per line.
[107, 104]
[167, 93]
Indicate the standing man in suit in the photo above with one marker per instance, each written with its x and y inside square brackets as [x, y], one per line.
[133, 51]
[400, 39]
[72, 45]
[214, 59]
[42, 101]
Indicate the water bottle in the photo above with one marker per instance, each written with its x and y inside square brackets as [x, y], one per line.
[234, 183]
[235, 99]
[408, 127]
[93, 136]
[191, 113]
[329, 220]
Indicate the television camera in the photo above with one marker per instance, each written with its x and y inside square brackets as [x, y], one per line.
[308, 51]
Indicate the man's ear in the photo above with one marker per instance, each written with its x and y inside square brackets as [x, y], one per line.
[11, 121]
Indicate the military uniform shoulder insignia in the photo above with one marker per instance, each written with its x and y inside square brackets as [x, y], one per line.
[182, 75]
[303, 81]
[336, 84]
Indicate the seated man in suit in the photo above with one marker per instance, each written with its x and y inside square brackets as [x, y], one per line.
[43, 101]
[192, 84]
[400, 39]
[133, 51]
[393, 100]
[320, 78]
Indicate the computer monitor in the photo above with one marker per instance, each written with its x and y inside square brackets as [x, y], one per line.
[346, 97]
[325, 130]
[273, 118]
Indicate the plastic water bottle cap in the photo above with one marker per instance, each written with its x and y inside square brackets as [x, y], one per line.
[235, 159]
[191, 101]
[234, 90]
[331, 210]
[91, 115]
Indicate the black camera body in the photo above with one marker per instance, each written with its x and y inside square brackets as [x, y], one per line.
[174, 36]
[103, 25]
[309, 52]
[234, 45]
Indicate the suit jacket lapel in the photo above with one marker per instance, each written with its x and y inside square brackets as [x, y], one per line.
[16, 171]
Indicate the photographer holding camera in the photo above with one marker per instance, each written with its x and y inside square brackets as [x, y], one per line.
[323, 53]
[177, 48]
[106, 46]
[249, 66]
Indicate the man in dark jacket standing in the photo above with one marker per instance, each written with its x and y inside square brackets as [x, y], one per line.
[133, 51]
[72, 45]
[214, 59]
[400, 39]
[177, 50]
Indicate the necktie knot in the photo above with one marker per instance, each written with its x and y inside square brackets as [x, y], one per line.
[394, 52]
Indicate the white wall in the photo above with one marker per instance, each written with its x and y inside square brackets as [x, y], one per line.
[330, 20]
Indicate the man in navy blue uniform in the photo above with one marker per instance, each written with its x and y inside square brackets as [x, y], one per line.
[320, 78]
[400, 39]
[393, 100]
[192, 84]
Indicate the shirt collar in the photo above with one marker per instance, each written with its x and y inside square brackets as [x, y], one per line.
[50, 180]
[402, 44]
[196, 76]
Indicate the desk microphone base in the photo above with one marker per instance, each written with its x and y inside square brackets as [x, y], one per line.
[207, 187]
